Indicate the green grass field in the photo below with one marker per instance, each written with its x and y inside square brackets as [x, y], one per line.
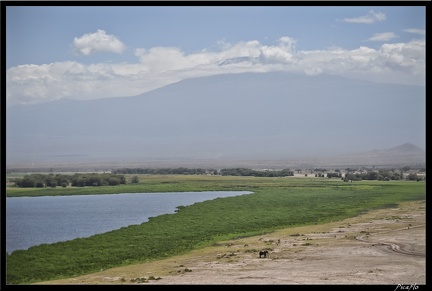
[276, 203]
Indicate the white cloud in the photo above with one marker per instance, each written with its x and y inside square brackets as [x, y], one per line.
[416, 31]
[160, 59]
[384, 36]
[155, 67]
[409, 57]
[369, 18]
[278, 54]
[99, 41]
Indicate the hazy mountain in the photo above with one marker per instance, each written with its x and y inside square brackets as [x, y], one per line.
[405, 154]
[404, 149]
[235, 116]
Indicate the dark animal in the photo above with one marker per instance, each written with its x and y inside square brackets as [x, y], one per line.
[263, 254]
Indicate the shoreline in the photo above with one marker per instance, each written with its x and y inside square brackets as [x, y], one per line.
[385, 246]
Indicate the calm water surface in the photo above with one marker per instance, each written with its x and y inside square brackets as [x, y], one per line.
[32, 221]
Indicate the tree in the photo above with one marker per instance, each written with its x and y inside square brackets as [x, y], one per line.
[26, 181]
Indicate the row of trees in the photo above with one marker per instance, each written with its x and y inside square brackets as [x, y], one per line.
[200, 171]
[165, 171]
[255, 173]
[330, 175]
[115, 178]
[381, 175]
[77, 180]
[384, 174]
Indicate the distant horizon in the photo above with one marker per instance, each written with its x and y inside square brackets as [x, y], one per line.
[332, 162]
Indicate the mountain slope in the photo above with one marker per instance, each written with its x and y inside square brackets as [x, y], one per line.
[246, 116]
[405, 154]
[404, 149]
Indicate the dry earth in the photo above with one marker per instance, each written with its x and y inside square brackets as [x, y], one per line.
[381, 247]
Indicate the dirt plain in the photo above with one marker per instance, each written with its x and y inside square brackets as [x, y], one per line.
[381, 247]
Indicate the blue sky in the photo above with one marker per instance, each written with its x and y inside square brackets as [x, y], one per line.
[95, 52]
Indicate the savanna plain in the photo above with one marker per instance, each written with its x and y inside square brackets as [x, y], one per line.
[316, 231]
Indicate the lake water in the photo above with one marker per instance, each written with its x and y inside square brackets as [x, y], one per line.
[32, 221]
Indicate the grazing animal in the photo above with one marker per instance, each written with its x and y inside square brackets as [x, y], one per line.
[263, 254]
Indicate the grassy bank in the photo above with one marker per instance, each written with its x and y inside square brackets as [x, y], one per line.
[154, 184]
[276, 203]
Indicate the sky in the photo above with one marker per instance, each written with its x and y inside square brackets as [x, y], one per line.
[83, 52]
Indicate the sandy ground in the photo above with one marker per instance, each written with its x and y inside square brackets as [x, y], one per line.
[381, 247]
